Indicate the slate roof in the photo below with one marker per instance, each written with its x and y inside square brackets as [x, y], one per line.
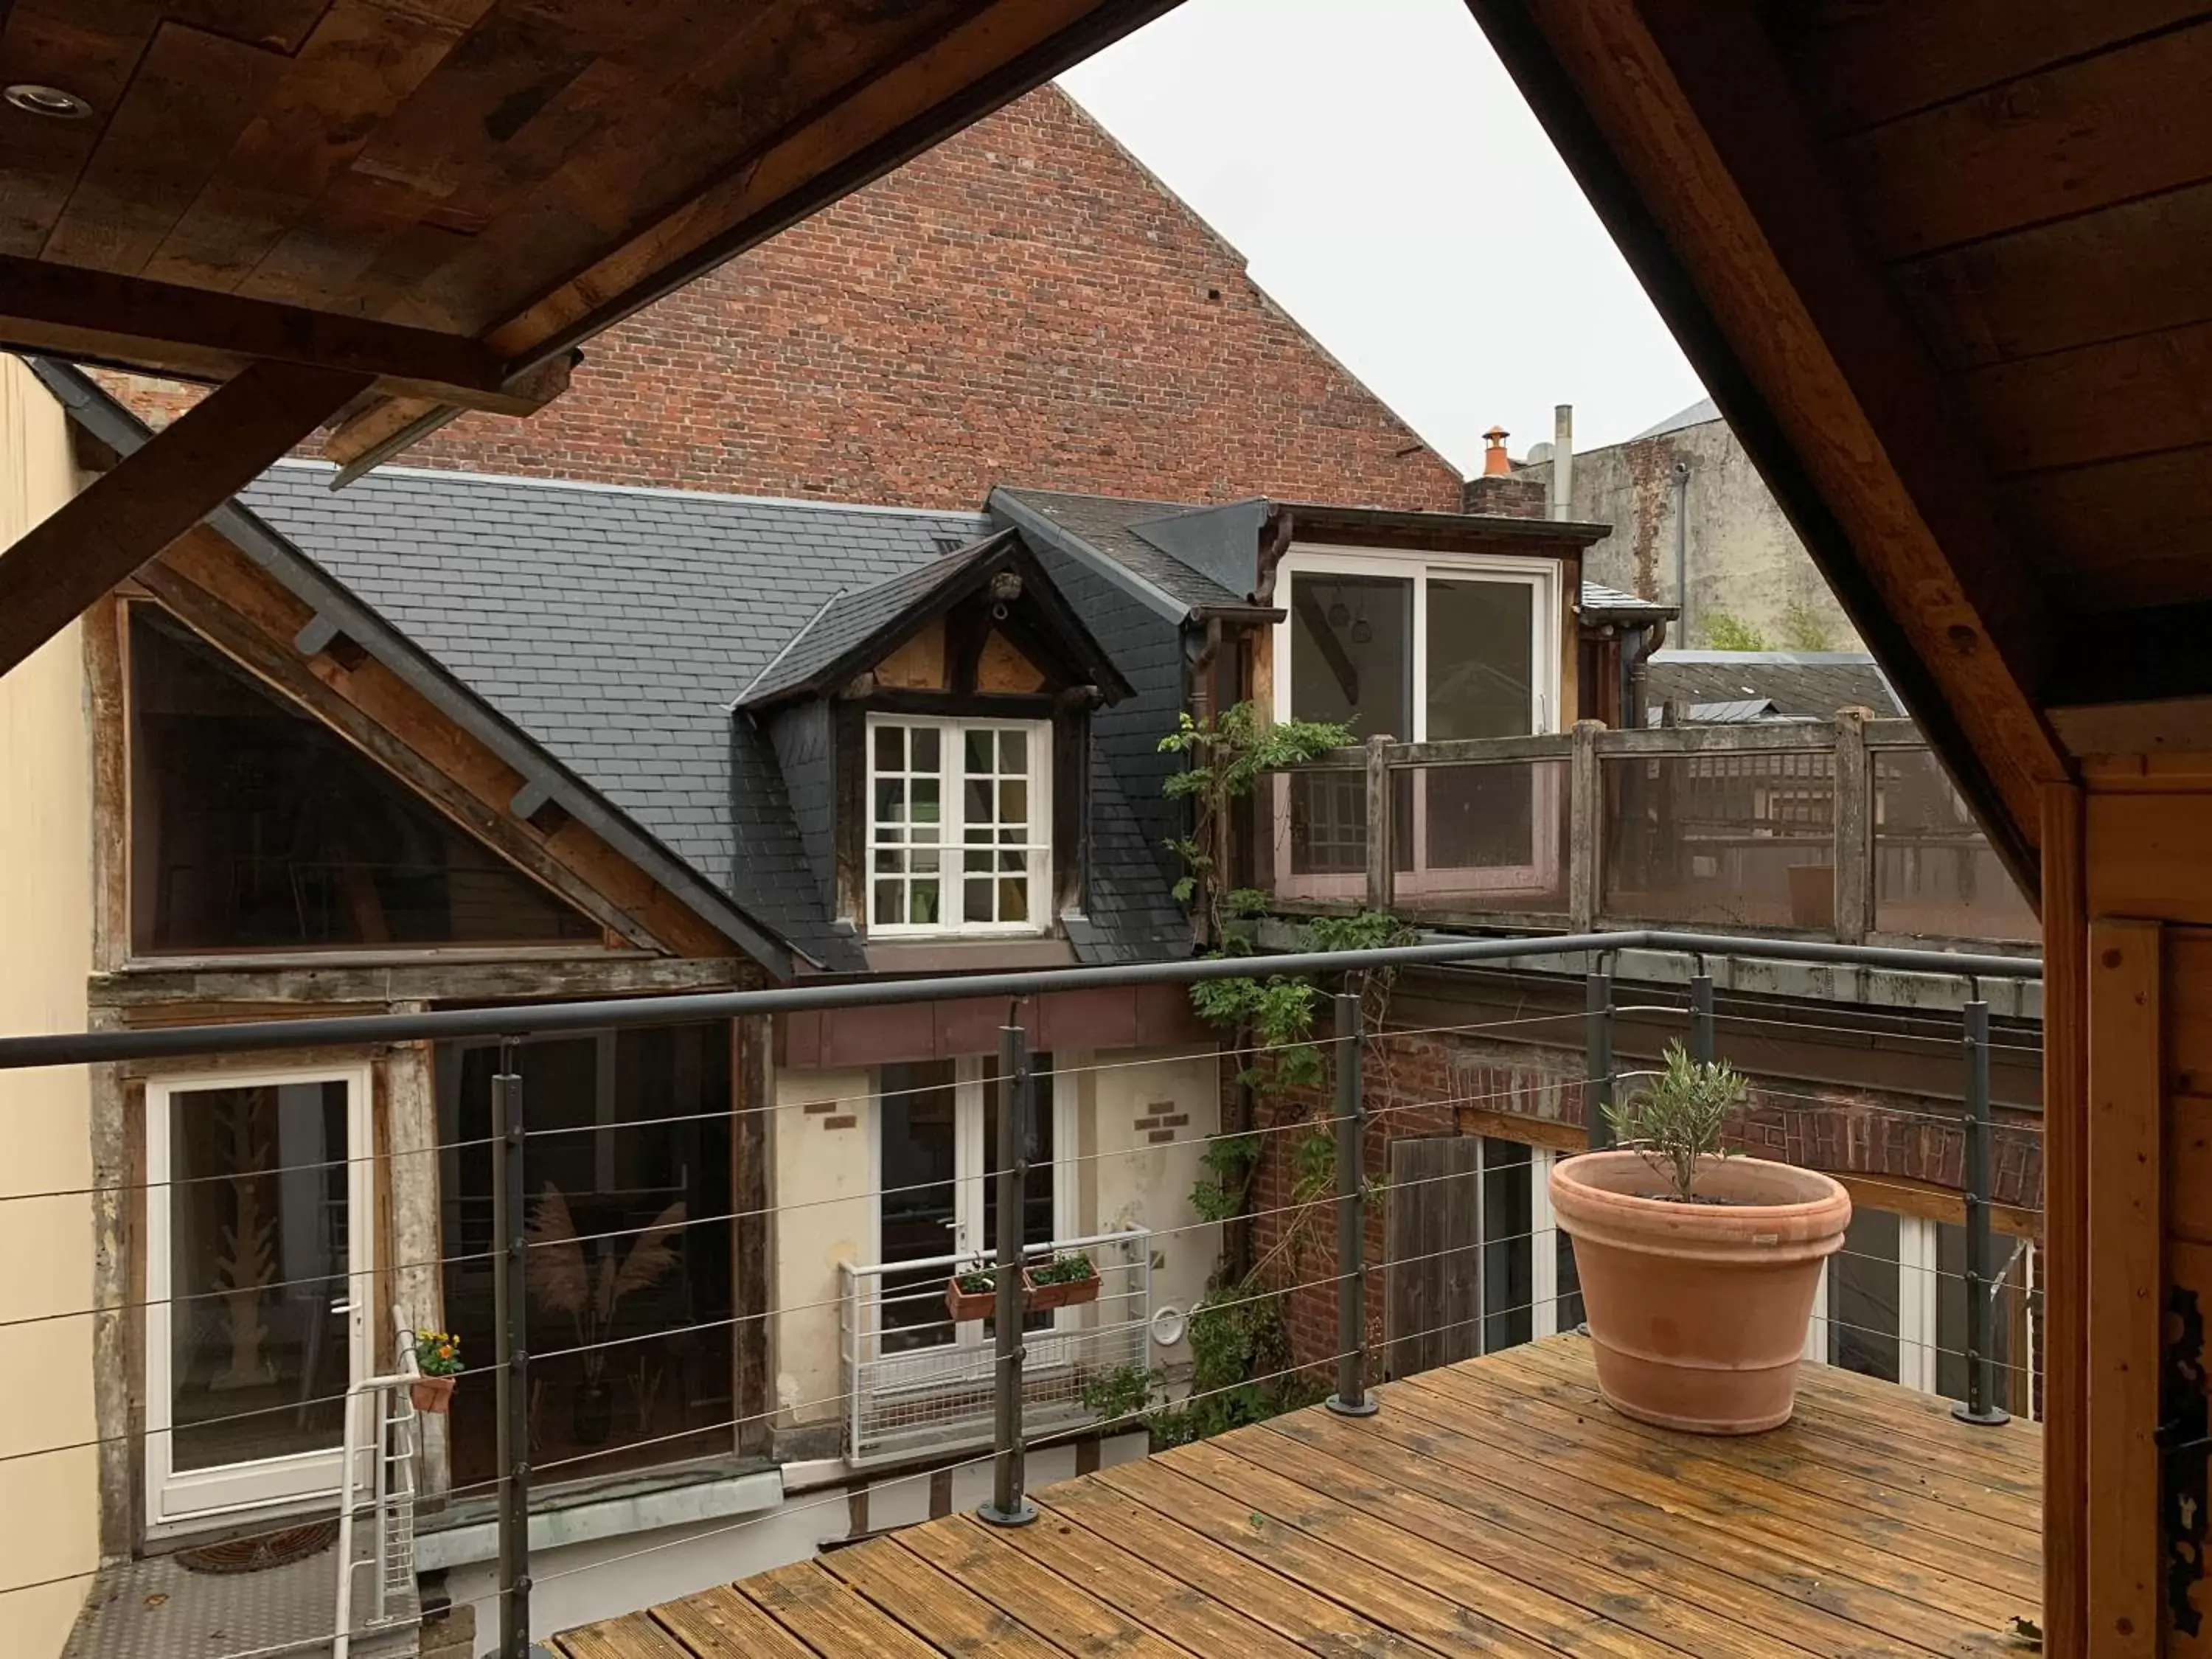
[1103, 522]
[616, 625]
[852, 616]
[1598, 600]
[1811, 684]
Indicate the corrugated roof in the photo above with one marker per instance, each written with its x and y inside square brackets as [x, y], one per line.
[1805, 684]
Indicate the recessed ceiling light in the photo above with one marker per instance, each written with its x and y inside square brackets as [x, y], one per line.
[35, 100]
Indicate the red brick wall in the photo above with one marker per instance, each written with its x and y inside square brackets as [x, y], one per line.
[1025, 304]
[1418, 1085]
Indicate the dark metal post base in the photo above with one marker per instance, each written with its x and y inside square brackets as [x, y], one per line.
[1021, 1514]
[1365, 1406]
[1987, 1419]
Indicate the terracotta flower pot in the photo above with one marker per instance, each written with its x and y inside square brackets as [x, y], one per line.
[967, 1306]
[1060, 1293]
[1698, 1311]
[433, 1394]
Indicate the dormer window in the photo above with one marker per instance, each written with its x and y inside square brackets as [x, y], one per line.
[959, 825]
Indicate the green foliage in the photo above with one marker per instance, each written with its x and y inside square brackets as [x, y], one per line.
[1225, 1177]
[976, 1284]
[1240, 1348]
[1679, 1119]
[1073, 1268]
[438, 1353]
[1803, 629]
[1313, 1165]
[1124, 1392]
[1727, 633]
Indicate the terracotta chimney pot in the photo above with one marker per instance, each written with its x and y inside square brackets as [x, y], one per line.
[1495, 461]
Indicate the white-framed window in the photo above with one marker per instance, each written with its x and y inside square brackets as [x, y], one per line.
[1422, 648]
[959, 825]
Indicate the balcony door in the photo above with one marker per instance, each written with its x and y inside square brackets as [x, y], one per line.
[258, 1268]
[1421, 650]
[937, 1130]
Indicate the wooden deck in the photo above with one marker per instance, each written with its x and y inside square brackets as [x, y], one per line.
[1494, 1507]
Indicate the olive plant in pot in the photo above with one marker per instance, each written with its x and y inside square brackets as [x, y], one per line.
[1698, 1268]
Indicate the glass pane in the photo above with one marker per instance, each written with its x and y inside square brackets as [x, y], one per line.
[1014, 900]
[977, 797]
[925, 808]
[628, 1168]
[1482, 658]
[1014, 801]
[890, 800]
[977, 902]
[257, 1267]
[927, 897]
[256, 828]
[890, 749]
[924, 748]
[1014, 752]
[1935, 873]
[1509, 1280]
[979, 751]
[917, 1115]
[890, 896]
[1352, 651]
[1862, 1311]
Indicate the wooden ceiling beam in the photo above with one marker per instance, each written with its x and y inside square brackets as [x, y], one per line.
[1678, 120]
[155, 494]
[64, 311]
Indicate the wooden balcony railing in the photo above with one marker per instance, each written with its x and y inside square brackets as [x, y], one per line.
[1846, 830]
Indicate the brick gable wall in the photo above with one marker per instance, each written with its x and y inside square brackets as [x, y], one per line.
[1025, 304]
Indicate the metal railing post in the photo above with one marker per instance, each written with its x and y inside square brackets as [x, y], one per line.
[1350, 1399]
[1597, 1060]
[1008, 1506]
[1980, 1406]
[512, 1357]
[1701, 1014]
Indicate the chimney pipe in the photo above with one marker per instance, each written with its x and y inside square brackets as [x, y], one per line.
[1495, 462]
[1563, 462]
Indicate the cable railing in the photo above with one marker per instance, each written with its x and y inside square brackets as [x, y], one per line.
[910, 1383]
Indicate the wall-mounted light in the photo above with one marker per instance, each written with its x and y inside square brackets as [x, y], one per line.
[50, 101]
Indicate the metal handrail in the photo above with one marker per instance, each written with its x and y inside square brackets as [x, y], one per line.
[410, 1372]
[989, 1253]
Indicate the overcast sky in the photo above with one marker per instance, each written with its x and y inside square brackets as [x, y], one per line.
[1378, 169]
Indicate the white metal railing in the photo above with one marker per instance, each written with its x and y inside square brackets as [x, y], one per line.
[382, 1431]
[917, 1381]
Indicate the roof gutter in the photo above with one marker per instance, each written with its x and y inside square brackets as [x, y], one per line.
[545, 779]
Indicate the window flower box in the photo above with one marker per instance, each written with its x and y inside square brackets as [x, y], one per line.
[1065, 1281]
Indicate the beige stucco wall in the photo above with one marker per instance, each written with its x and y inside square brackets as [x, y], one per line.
[826, 1175]
[1135, 1182]
[49, 1505]
[1742, 557]
[825, 1212]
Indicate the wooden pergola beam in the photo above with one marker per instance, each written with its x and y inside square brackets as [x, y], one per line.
[157, 494]
[94, 315]
[1684, 130]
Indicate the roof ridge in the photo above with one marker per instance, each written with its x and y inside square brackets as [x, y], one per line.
[662, 492]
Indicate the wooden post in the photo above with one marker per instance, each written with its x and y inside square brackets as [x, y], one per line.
[1378, 822]
[1853, 828]
[2065, 1222]
[1585, 829]
[2126, 1285]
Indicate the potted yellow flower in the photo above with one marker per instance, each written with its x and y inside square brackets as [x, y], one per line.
[438, 1357]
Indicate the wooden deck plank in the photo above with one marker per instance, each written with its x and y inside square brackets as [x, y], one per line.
[1494, 1507]
[1909, 1604]
[830, 1617]
[633, 1636]
[1350, 1564]
[1582, 1558]
[1317, 1623]
[1873, 1444]
[1606, 1451]
[720, 1623]
[1154, 1597]
[1884, 1488]
[1370, 1514]
[984, 1559]
[1990, 1515]
[1824, 1535]
[911, 1590]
